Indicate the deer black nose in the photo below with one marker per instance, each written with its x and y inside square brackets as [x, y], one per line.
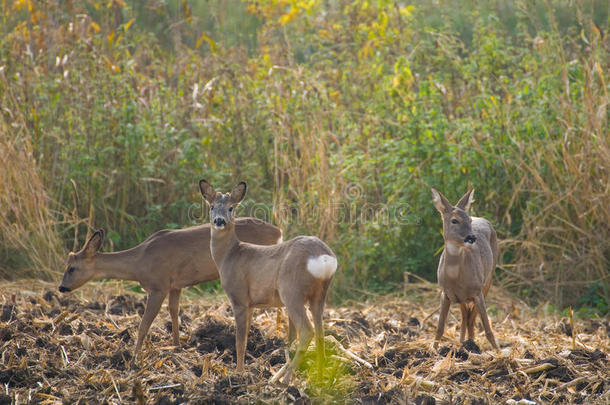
[470, 239]
[219, 222]
[63, 289]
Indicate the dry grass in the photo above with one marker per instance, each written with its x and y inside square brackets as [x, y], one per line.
[564, 185]
[75, 349]
[27, 238]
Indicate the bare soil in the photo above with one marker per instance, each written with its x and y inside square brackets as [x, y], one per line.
[77, 348]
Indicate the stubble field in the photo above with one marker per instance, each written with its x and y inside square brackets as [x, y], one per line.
[77, 349]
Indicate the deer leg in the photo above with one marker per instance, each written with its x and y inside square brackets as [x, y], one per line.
[317, 310]
[153, 305]
[292, 332]
[242, 323]
[442, 318]
[299, 316]
[472, 316]
[174, 306]
[465, 319]
[480, 306]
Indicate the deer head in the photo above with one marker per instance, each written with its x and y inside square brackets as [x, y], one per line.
[222, 206]
[457, 229]
[80, 266]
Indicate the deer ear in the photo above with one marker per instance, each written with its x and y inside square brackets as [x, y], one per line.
[207, 191]
[440, 202]
[239, 192]
[466, 200]
[94, 243]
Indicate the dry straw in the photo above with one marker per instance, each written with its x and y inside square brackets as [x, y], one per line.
[76, 349]
[27, 230]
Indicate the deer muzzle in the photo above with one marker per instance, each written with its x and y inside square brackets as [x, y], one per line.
[220, 223]
[63, 289]
[470, 239]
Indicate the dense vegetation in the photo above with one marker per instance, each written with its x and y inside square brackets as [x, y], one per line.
[339, 114]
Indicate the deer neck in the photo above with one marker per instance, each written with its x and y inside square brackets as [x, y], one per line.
[454, 259]
[120, 265]
[222, 242]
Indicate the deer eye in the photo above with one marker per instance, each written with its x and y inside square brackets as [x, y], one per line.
[230, 209]
[71, 269]
[455, 221]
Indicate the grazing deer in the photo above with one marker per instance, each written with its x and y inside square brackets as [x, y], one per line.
[466, 266]
[290, 274]
[163, 264]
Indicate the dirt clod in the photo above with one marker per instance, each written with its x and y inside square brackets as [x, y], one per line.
[5, 334]
[444, 351]
[49, 295]
[566, 328]
[125, 304]
[471, 346]
[425, 400]
[120, 359]
[125, 336]
[8, 312]
[580, 356]
[213, 335]
[65, 329]
[164, 400]
[460, 376]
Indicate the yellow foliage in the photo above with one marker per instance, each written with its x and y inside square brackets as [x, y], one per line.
[95, 26]
[335, 96]
[111, 66]
[23, 4]
[207, 39]
[407, 11]
[286, 18]
[129, 23]
[396, 81]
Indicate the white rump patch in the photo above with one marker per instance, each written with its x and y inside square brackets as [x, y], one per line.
[323, 266]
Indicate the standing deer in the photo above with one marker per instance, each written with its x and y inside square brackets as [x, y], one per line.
[466, 266]
[290, 274]
[163, 264]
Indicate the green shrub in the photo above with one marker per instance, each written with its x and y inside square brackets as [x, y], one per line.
[340, 115]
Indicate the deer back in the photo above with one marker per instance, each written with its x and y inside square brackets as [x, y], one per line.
[256, 275]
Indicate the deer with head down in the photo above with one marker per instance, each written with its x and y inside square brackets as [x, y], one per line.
[466, 265]
[163, 264]
[291, 274]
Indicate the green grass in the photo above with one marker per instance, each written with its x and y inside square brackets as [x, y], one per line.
[340, 116]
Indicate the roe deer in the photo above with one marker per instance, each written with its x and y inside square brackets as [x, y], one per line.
[163, 264]
[289, 274]
[466, 266]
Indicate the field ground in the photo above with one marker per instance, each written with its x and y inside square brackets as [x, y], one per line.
[76, 348]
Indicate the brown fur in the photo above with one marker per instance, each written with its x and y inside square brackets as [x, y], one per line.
[465, 269]
[267, 276]
[163, 264]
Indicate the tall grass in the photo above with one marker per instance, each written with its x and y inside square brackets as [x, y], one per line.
[29, 245]
[563, 186]
[339, 115]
